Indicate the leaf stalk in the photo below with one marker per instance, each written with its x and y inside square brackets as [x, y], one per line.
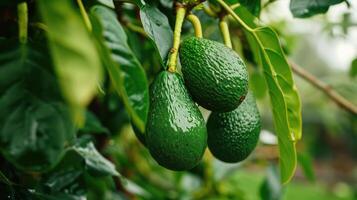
[84, 15]
[195, 21]
[23, 22]
[223, 26]
[180, 17]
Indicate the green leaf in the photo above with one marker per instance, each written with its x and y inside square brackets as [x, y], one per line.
[277, 69]
[55, 196]
[158, 28]
[35, 125]
[74, 53]
[61, 179]
[306, 164]
[250, 6]
[285, 101]
[108, 3]
[353, 68]
[95, 163]
[258, 84]
[253, 6]
[10, 2]
[308, 8]
[126, 73]
[34, 136]
[271, 189]
[67, 177]
[93, 125]
[4, 179]
[284, 97]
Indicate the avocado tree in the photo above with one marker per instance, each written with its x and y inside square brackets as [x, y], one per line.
[75, 77]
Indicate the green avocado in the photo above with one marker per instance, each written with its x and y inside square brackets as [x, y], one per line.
[176, 135]
[214, 74]
[232, 136]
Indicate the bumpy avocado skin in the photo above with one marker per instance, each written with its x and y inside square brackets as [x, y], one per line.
[214, 74]
[176, 135]
[232, 136]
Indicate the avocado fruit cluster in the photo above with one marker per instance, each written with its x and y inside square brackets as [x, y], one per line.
[215, 78]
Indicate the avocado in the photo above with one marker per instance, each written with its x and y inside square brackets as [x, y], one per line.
[232, 136]
[176, 135]
[214, 74]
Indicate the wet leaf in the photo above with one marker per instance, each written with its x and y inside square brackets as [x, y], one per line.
[126, 73]
[94, 161]
[158, 28]
[35, 125]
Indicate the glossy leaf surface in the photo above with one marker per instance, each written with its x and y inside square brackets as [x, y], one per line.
[126, 73]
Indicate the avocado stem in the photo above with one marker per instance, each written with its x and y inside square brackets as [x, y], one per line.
[23, 21]
[84, 15]
[234, 15]
[180, 17]
[209, 11]
[195, 21]
[223, 26]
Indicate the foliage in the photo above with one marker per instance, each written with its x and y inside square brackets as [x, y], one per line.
[307, 8]
[74, 82]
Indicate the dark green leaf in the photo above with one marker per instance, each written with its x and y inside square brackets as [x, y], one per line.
[93, 125]
[126, 73]
[34, 136]
[158, 28]
[353, 68]
[10, 2]
[4, 179]
[55, 196]
[308, 8]
[271, 189]
[75, 57]
[66, 177]
[35, 125]
[253, 6]
[11, 192]
[95, 163]
[306, 166]
[108, 3]
[63, 178]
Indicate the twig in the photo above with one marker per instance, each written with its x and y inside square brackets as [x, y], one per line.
[180, 17]
[327, 89]
[223, 26]
[84, 15]
[23, 22]
[137, 29]
[195, 21]
[209, 11]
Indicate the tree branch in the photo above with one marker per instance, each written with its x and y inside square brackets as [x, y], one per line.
[325, 88]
